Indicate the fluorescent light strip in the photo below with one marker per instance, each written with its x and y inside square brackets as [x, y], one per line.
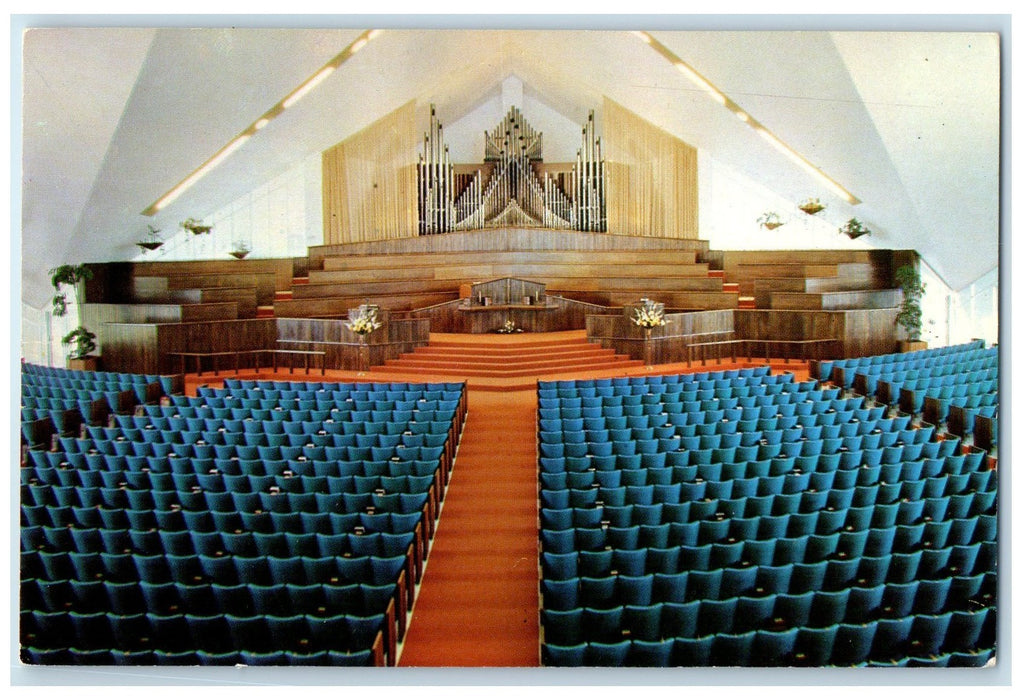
[744, 116]
[308, 86]
[300, 92]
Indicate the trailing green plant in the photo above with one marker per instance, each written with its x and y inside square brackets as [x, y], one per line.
[910, 315]
[853, 228]
[770, 220]
[196, 226]
[67, 275]
[812, 206]
[81, 341]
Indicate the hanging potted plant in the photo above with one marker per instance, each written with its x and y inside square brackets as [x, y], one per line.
[195, 226]
[81, 340]
[910, 315]
[240, 249]
[152, 239]
[811, 206]
[770, 220]
[853, 228]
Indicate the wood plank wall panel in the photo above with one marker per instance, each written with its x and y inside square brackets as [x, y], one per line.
[130, 347]
[282, 269]
[96, 314]
[860, 332]
[342, 347]
[652, 177]
[668, 343]
[566, 314]
[532, 257]
[504, 239]
[370, 181]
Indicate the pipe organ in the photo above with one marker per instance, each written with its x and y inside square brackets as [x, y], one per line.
[509, 190]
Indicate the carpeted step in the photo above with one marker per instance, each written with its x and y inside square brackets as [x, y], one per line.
[746, 302]
[715, 273]
[504, 372]
[264, 312]
[506, 355]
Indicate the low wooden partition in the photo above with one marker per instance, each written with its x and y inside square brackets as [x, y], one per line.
[145, 348]
[556, 314]
[857, 332]
[667, 343]
[342, 346]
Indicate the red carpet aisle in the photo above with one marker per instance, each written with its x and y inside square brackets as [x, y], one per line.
[478, 605]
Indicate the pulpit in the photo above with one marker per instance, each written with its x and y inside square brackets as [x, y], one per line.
[506, 304]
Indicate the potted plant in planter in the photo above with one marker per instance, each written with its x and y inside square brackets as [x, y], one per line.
[152, 239]
[910, 315]
[195, 226]
[770, 220]
[240, 249]
[82, 340]
[853, 228]
[811, 206]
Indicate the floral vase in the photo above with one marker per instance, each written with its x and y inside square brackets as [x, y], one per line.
[647, 347]
[363, 355]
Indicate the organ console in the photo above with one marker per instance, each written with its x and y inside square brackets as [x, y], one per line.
[512, 194]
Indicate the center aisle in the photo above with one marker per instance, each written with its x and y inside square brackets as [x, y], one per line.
[479, 600]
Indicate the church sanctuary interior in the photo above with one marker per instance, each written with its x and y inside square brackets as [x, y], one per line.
[451, 348]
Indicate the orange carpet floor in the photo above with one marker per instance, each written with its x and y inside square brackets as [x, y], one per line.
[479, 600]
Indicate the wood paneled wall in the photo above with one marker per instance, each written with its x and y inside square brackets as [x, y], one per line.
[558, 315]
[342, 347]
[652, 177]
[369, 181]
[667, 343]
[504, 239]
[860, 332]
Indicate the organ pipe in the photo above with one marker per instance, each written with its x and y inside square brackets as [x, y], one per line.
[514, 194]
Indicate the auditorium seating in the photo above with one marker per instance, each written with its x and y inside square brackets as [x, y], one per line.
[265, 522]
[953, 385]
[58, 401]
[741, 518]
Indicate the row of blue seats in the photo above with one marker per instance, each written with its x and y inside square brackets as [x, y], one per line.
[442, 400]
[682, 387]
[656, 380]
[42, 371]
[917, 358]
[222, 634]
[779, 393]
[917, 641]
[360, 495]
[220, 521]
[965, 387]
[264, 414]
[73, 656]
[739, 614]
[303, 385]
[225, 569]
[170, 598]
[592, 516]
[193, 442]
[678, 416]
[94, 541]
[76, 469]
[733, 422]
[640, 549]
[287, 398]
[387, 444]
[977, 372]
[358, 477]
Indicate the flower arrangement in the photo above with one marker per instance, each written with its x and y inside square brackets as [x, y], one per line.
[509, 327]
[195, 226]
[812, 206]
[649, 315]
[364, 321]
[854, 228]
[770, 220]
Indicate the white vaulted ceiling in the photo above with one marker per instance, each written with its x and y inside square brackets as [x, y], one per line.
[113, 118]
